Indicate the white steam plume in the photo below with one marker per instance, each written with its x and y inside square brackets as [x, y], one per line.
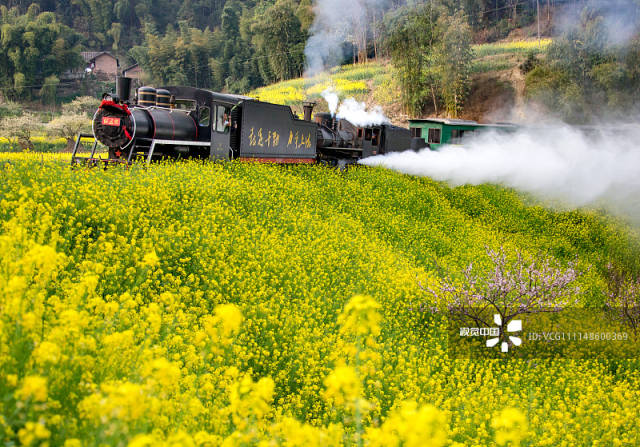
[576, 167]
[355, 112]
[332, 99]
[335, 23]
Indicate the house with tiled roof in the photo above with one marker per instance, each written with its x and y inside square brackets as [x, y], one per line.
[100, 63]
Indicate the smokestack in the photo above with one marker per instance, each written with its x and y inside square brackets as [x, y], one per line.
[308, 106]
[123, 88]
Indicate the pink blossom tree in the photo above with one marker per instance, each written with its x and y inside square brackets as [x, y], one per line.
[508, 289]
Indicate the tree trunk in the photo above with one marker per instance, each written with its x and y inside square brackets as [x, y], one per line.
[455, 105]
[375, 37]
[25, 144]
[435, 102]
[70, 144]
[362, 54]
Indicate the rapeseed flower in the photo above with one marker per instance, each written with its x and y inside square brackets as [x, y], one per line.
[33, 387]
[510, 426]
[285, 310]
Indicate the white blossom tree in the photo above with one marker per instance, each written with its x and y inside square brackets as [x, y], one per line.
[19, 129]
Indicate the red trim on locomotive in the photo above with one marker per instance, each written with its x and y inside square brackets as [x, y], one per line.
[122, 107]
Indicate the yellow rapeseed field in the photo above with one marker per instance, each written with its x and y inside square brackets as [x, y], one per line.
[202, 304]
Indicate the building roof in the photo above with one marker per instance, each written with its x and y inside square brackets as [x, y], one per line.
[447, 121]
[458, 122]
[89, 56]
[131, 67]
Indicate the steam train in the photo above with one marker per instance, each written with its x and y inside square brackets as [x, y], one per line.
[179, 122]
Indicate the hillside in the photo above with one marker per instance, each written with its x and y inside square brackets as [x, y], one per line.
[114, 330]
[497, 84]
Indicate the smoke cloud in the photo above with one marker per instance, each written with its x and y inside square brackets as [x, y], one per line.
[573, 166]
[354, 111]
[336, 22]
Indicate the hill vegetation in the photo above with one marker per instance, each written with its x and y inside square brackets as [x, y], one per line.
[232, 45]
[374, 82]
[426, 49]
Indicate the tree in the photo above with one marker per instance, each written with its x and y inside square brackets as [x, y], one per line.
[454, 56]
[115, 32]
[35, 47]
[178, 57]
[279, 36]
[585, 75]
[410, 43]
[10, 108]
[48, 90]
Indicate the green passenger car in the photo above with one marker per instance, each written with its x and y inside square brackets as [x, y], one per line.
[440, 131]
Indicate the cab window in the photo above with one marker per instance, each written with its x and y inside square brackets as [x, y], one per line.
[375, 137]
[223, 119]
[204, 116]
[184, 104]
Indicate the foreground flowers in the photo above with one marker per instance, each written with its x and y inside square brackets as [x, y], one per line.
[191, 304]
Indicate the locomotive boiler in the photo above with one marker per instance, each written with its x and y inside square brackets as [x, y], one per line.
[177, 122]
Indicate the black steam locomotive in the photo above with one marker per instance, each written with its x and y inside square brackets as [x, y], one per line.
[175, 122]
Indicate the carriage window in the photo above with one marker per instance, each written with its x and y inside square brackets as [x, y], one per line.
[456, 135]
[434, 136]
[223, 119]
[360, 133]
[204, 116]
[416, 132]
[367, 134]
